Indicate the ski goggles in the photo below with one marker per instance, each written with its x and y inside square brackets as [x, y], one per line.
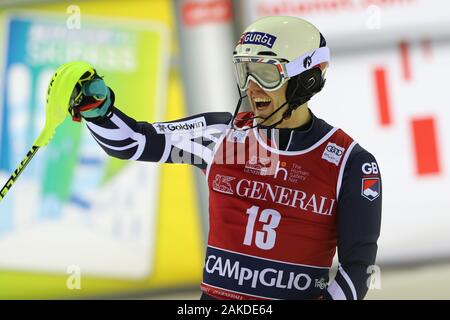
[270, 74]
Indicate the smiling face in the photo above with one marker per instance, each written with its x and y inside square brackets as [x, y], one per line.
[263, 102]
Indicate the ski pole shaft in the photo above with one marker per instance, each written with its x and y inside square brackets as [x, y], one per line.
[15, 175]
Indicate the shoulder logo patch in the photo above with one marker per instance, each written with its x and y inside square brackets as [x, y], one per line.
[370, 188]
[333, 153]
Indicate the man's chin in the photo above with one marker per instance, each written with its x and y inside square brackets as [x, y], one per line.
[263, 113]
[264, 119]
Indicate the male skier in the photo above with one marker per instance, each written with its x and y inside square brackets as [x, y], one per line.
[286, 189]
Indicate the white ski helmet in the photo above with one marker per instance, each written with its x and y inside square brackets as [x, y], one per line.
[276, 49]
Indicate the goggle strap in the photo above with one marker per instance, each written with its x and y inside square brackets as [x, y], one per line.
[308, 61]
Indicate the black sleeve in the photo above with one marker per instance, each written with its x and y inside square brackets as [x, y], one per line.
[358, 225]
[189, 140]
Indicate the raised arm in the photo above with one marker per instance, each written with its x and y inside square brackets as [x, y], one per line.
[189, 140]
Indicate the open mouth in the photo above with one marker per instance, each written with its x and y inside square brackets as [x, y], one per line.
[262, 103]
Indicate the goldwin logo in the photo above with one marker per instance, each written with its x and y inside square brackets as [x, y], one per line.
[181, 126]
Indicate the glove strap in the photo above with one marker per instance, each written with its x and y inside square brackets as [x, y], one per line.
[91, 105]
